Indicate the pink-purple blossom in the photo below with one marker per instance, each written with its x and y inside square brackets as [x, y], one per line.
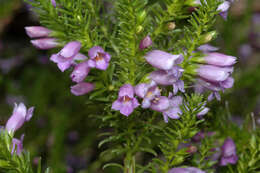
[19, 116]
[228, 154]
[223, 8]
[126, 102]
[98, 58]
[145, 43]
[218, 59]
[65, 57]
[17, 145]
[82, 88]
[45, 43]
[186, 170]
[213, 73]
[173, 111]
[162, 60]
[151, 96]
[37, 31]
[80, 72]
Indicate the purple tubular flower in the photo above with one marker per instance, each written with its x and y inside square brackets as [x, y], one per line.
[170, 77]
[126, 103]
[186, 170]
[207, 48]
[198, 137]
[203, 112]
[53, 2]
[152, 97]
[98, 58]
[80, 72]
[70, 50]
[19, 116]
[81, 88]
[17, 145]
[218, 59]
[162, 77]
[173, 110]
[37, 31]
[213, 73]
[45, 43]
[65, 57]
[215, 87]
[228, 155]
[162, 60]
[223, 8]
[145, 43]
[160, 103]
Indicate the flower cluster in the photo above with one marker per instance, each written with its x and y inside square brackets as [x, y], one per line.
[215, 73]
[69, 56]
[18, 118]
[43, 41]
[167, 74]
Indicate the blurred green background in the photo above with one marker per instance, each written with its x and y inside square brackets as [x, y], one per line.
[61, 132]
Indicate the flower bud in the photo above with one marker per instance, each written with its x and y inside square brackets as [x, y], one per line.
[145, 43]
[162, 60]
[213, 73]
[219, 59]
[228, 154]
[80, 72]
[70, 50]
[139, 29]
[141, 16]
[37, 31]
[208, 37]
[53, 2]
[186, 170]
[171, 26]
[45, 43]
[82, 88]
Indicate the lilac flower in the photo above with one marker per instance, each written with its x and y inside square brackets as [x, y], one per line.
[162, 60]
[152, 97]
[37, 31]
[218, 59]
[186, 170]
[214, 73]
[203, 112]
[80, 72]
[199, 136]
[19, 116]
[126, 103]
[65, 57]
[53, 2]
[81, 88]
[98, 58]
[173, 110]
[169, 77]
[228, 154]
[145, 43]
[223, 8]
[17, 145]
[207, 48]
[45, 43]
[215, 87]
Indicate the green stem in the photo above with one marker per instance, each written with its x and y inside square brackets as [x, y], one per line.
[129, 163]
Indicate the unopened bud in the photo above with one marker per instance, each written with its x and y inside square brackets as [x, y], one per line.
[141, 16]
[171, 26]
[192, 149]
[139, 29]
[208, 37]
